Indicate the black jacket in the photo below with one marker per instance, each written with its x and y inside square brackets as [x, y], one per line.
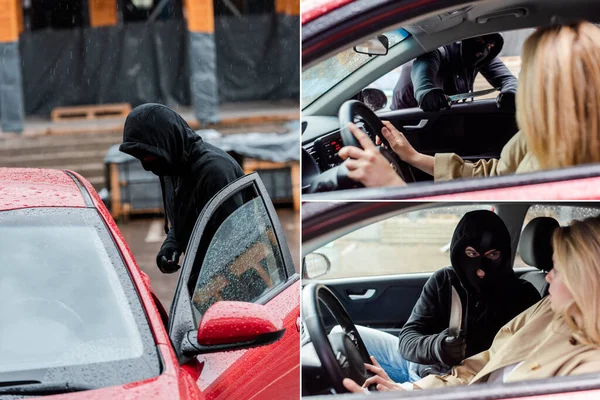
[486, 311]
[198, 169]
[444, 68]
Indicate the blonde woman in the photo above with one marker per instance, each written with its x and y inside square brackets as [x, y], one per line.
[558, 111]
[558, 336]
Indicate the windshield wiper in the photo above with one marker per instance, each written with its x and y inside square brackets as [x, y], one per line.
[39, 388]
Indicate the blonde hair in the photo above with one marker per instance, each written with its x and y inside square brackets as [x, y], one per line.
[577, 250]
[558, 96]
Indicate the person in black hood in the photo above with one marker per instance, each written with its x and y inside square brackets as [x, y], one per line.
[491, 295]
[452, 69]
[191, 172]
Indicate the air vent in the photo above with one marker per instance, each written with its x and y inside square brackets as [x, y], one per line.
[313, 153]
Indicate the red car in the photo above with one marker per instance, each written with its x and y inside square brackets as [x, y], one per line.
[368, 262]
[353, 52]
[79, 318]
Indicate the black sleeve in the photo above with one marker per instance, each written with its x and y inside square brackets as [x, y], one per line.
[403, 96]
[420, 336]
[171, 239]
[498, 75]
[529, 294]
[424, 70]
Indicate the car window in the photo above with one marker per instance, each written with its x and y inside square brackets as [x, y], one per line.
[510, 56]
[243, 261]
[413, 242]
[320, 78]
[69, 300]
[563, 214]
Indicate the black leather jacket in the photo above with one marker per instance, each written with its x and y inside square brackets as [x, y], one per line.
[444, 68]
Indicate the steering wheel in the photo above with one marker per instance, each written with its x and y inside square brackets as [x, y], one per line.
[343, 354]
[348, 113]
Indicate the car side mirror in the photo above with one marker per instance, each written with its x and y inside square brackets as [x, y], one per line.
[374, 98]
[374, 47]
[315, 265]
[233, 325]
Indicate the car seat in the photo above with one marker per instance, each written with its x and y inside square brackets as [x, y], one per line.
[535, 248]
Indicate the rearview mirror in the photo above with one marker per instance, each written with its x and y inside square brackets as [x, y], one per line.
[374, 47]
[233, 325]
[315, 265]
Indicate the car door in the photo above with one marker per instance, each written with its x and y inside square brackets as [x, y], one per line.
[238, 252]
[473, 130]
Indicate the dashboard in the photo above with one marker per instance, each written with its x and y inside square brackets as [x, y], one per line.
[324, 150]
[322, 139]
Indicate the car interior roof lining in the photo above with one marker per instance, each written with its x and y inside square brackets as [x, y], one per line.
[427, 36]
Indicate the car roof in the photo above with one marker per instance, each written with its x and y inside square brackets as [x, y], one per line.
[34, 187]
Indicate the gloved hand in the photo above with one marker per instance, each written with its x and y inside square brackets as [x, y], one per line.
[451, 350]
[435, 100]
[167, 258]
[506, 101]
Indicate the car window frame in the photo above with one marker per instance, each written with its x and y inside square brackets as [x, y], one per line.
[475, 206]
[181, 315]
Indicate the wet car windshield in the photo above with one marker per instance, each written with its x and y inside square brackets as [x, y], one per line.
[71, 309]
[320, 78]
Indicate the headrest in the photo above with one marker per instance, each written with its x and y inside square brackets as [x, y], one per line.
[535, 246]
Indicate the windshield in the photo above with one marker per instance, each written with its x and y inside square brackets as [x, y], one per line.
[68, 308]
[320, 78]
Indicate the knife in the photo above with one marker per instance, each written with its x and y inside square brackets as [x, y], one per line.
[456, 314]
[463, 96]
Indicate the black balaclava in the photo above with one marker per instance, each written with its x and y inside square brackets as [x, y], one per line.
[479, 49]
[156, 131]
[483, 231]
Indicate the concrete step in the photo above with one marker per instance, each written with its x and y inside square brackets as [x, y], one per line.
[47, 160]
[38, 146]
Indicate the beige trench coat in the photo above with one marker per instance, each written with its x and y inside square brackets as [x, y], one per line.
[514, 159]
[544, 344]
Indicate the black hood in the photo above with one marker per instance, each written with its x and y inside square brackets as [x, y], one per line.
[153, 129]
[498, 44]
[483, 230]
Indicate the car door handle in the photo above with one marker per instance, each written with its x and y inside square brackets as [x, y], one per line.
[366, 295]
[422, 124]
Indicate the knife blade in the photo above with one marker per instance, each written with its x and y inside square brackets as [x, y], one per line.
[464, 96]
[456, 314]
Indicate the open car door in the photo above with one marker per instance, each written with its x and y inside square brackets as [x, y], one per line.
[238, 254]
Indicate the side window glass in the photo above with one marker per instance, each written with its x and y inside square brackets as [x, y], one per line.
[510, 55]
[243, 261]
[412, 242]
[563, 214]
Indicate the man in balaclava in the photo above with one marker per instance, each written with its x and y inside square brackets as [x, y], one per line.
[451, 69]
[491, 295]
[191, 172]
[490, 292]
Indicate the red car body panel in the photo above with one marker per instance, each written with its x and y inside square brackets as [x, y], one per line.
[242, 366]
[579, 189]
[312, 9]
[26, 188]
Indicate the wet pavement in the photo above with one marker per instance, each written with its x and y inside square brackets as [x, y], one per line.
[145, 236]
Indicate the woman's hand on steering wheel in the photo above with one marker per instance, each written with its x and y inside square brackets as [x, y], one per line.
[398, 142]
[367, 165]
[380, 379]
